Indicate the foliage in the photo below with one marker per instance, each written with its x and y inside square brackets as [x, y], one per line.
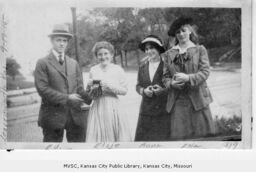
[18, 83]
[126, 27]
[12, 67]
[216, 54]
[228, 126]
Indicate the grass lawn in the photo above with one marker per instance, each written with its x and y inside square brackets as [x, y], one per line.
[18, 83]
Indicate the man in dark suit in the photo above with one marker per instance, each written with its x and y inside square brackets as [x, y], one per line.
[59, 82]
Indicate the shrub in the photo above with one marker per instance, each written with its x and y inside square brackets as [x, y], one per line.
[228, 126]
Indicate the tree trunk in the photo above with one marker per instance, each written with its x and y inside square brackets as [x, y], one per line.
[125, 57]
[121, 58]
[138, 57]
[231, 38]
[114, 57]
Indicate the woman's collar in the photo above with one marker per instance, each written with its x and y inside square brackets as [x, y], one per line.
[177, 47]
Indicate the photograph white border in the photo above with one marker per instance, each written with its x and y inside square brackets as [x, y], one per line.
[246, 80]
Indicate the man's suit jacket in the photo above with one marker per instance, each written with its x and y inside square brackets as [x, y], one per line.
[197, 68]
[151, 106]
[54, 85]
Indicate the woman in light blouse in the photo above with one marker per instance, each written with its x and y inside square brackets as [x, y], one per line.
[107, 120]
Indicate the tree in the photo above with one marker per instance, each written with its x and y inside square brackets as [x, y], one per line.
[12, 67]
[119, 24]
[216, 26]
[88, 29]
[126, 27]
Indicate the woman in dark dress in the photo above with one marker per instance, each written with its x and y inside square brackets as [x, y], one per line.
[186, 69]
[154, 121]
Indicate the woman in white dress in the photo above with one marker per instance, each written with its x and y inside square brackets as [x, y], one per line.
[106, 121]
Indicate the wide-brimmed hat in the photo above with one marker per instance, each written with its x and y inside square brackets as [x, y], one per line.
[61, 30]
[155, 41]
[176, 25]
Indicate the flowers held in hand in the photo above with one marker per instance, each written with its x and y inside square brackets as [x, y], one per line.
[179, 81]
[181, 77]
[95, 89]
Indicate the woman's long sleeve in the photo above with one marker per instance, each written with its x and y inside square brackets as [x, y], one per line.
[139, 88]
[167, 78]
[199, 77]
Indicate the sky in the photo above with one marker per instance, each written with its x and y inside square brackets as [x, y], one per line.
[30, 23]
[29, 26]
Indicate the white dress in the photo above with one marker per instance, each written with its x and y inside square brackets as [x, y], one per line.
[106, 120]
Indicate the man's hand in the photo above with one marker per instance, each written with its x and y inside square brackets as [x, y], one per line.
[75, 98]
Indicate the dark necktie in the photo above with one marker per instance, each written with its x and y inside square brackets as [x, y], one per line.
[61, 61]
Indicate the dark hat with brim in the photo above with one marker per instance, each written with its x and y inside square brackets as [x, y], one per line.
[61, 30]
[153, 40]
[178, 23]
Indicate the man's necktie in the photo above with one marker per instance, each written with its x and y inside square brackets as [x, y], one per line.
[61, 61]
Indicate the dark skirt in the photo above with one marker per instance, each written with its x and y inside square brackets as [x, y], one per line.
[186, 123]
[153, 128]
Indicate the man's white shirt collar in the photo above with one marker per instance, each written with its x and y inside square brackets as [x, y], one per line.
[56, 54]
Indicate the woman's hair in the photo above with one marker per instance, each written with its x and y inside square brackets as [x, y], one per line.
[193, 36]
[100, 45]
[154, 45]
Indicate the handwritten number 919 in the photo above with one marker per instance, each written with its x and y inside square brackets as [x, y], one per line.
[231, 145]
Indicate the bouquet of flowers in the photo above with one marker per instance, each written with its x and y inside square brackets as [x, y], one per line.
[95, 89]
